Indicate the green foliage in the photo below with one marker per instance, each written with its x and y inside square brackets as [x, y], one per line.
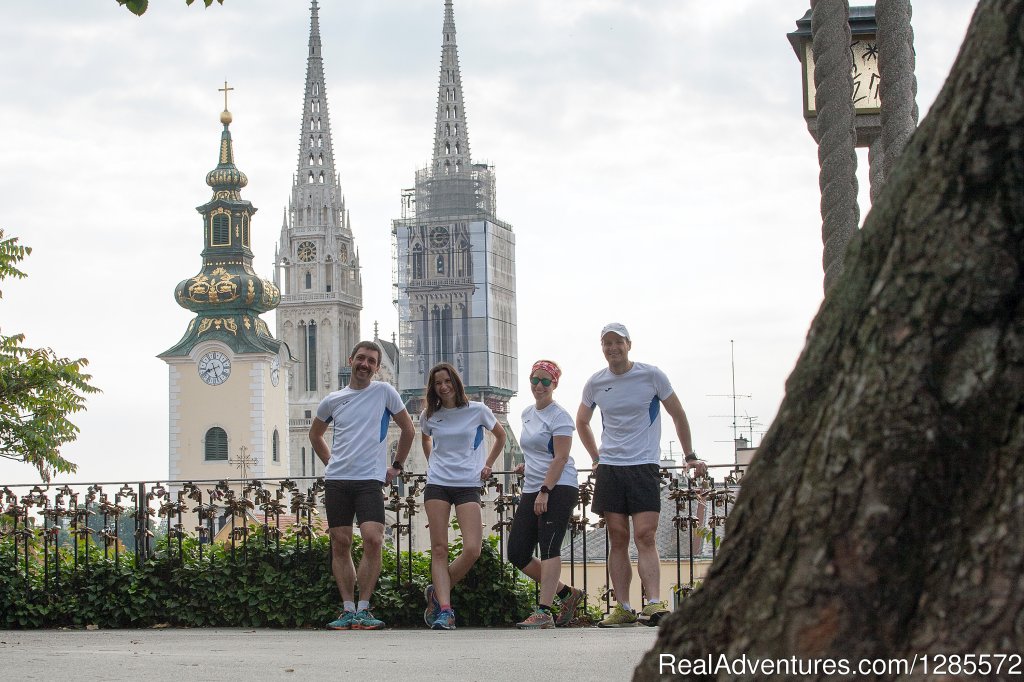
[38, 390]
[260, 586]
[139, 7]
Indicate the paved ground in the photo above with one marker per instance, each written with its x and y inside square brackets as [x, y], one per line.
[226, 654]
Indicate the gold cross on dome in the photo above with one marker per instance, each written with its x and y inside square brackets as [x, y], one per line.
[225, 90]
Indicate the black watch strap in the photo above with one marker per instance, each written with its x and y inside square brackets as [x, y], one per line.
[398, 465]
[692, 457]
[544, 489]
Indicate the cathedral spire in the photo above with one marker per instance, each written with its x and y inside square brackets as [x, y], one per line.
[316, 153]
[451, 138]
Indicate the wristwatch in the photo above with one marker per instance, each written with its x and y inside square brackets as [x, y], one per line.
[692, 457]
[397, 465]
[544, 489]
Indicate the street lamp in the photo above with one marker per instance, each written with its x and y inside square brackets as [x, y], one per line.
[864, 48]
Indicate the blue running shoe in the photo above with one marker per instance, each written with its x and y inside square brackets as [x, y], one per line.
[364, 620]
[444, 621]
[433, 606]
[344, 622]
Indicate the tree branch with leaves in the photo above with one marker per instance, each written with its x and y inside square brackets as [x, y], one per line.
[139, 7]
[38, 390]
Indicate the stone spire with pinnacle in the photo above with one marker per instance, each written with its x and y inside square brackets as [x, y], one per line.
[317, 263]
[451, 136]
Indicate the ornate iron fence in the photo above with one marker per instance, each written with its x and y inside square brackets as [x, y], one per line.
[129, 517]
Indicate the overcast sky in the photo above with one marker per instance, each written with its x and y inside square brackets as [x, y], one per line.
[651, 157]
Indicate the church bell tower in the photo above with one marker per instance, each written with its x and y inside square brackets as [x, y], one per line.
[227, 396]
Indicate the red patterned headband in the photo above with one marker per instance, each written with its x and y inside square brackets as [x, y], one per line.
[548, 366]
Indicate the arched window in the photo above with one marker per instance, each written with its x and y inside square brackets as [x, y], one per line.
[319, 142]
[321, 179]
[309, 280]
[440, 265]
[316, 88]
[310, 177]
[311, 160]
[310, 353]
[303, 461]
[275, 447]
[320, 160]
[215, 445]
[220, 230]
[417, 262]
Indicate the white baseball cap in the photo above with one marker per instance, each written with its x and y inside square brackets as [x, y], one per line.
[617, 328]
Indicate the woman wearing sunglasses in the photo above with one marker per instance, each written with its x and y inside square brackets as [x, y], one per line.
[452, 428]
[550, 493]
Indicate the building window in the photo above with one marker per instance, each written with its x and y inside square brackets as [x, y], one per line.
[220, 230]
[440, 265]
[275, 447]
[308, 334]
[245, 230]
[309, 280]
[303, 461]
[417, 262]
[215, 445]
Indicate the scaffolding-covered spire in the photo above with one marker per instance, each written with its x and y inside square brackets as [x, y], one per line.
[451, 137]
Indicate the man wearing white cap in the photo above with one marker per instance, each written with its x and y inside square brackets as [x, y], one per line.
[628, 484]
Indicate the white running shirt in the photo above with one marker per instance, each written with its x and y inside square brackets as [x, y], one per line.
[630, 413]
[457, 434]
[537, 439]
[360, 419]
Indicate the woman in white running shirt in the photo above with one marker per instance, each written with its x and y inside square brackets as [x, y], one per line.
[452, 428]
[550, 494]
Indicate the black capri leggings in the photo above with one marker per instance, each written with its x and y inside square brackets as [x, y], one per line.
[548, 530]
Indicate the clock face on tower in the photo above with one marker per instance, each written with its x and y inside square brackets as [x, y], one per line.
[275, 371]
[307, 252]
[214, 368]
[439, 237]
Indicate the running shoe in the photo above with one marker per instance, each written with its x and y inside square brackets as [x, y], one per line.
[343, 622]
[364, 620]
[619, 618]
[538, 620]
[445, 620]
[653, 613]
[569, 606]
[433, 606]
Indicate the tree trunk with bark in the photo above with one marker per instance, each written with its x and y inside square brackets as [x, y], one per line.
[883, 515]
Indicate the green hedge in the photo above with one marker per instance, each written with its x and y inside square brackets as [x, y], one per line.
[260, 587]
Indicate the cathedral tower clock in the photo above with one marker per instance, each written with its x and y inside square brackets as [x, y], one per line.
[226, 393]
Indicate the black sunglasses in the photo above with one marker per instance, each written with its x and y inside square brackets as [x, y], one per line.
[538, 380]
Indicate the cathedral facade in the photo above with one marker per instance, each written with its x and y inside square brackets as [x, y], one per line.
[316, 267]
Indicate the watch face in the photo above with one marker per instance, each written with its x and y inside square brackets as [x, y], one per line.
[439, 237]
[214, 368]
[275, 371]
[307, 252]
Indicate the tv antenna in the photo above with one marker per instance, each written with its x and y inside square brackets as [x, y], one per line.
[733, 395]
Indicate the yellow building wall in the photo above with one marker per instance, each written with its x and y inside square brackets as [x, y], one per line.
[597, 581]
[247, 406]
